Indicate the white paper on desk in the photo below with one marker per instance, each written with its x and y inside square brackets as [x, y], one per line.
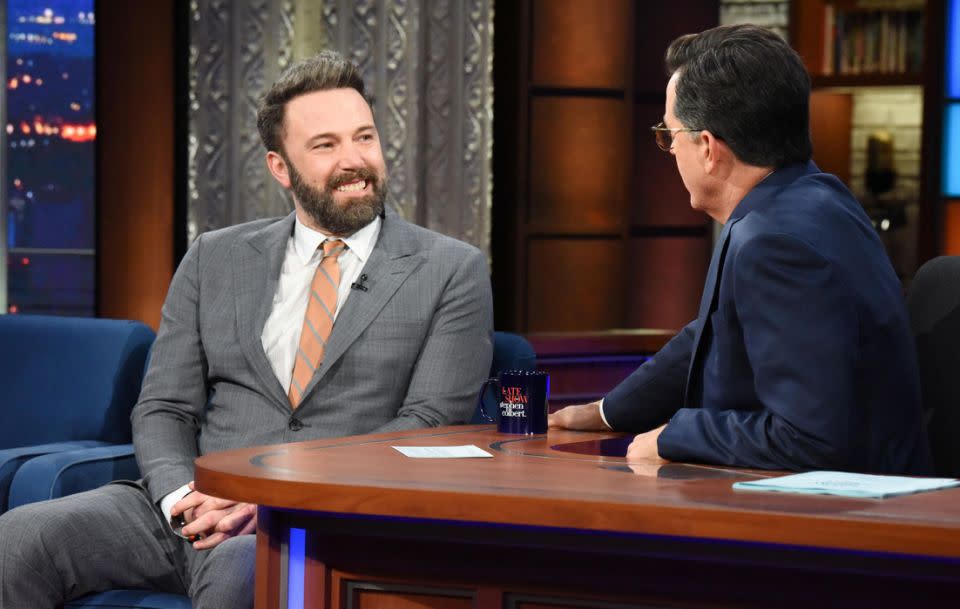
[443, 452]
[847, 484]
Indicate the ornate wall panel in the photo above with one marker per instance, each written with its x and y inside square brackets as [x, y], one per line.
[236, 50]
[427, 64]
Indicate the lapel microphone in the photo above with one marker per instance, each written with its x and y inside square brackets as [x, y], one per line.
[358, 284]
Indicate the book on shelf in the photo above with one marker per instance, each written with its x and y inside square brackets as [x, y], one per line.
[872, 41]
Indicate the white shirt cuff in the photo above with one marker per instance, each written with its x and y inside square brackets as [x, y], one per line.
[166, 504]
[603, 418]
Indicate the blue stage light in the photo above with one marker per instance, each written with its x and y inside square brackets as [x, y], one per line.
[953, 50]
[295, 568]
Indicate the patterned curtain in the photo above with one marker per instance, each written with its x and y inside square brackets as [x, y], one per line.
[428, 65]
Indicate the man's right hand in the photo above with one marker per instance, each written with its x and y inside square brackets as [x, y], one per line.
[583, 417]
[212, 520]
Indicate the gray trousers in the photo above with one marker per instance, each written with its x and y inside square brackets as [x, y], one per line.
[114, 537]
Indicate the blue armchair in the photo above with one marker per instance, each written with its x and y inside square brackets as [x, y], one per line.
[59, 474]
[69, 384]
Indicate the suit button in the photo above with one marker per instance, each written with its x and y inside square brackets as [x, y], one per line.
[295, 424]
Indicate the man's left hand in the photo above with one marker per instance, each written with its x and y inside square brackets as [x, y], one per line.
[643, 449]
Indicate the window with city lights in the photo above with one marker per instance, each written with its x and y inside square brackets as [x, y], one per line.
[49, 209]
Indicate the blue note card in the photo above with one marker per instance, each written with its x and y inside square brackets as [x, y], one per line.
[847, 484]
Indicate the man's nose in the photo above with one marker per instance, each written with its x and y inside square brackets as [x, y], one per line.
[350, 157]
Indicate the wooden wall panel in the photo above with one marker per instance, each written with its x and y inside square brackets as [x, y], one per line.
[658, 23]
[575, 284]
[581, 43]
[135, 157]
[806, 28]
[951, 228]
[579, 161]
[659, 197]
[831, 117]
[666, 280]
[578, 175]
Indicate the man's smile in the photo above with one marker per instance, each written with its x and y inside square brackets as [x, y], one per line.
[355, 186]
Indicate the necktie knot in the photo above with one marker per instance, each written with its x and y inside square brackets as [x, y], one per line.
[333, 247]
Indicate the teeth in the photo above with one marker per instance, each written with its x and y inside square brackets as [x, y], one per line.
[353, 186]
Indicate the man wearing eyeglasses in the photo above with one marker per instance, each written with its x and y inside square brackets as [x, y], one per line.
[801, 356]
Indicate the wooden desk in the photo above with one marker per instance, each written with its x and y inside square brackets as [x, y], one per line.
[536, 528]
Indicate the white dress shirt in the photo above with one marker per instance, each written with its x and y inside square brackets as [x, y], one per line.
[281, 333]
[602, 416]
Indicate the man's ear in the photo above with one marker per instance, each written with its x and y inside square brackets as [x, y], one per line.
[278, 168]
[713, 151]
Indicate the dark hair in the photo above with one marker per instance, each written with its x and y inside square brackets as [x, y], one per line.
[324, 71]
[745, 85]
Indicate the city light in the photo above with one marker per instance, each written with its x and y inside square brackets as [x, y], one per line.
[79, 133]
[50, 160]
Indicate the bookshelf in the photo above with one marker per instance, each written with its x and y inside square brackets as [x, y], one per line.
[870, 74]
[860, 42]
[820, 81]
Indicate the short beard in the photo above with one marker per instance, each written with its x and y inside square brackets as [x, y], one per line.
[336, 220]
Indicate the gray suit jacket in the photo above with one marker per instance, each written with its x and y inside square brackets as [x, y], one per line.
[410, 352]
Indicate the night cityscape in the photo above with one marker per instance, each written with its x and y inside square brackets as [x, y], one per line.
[50, 172]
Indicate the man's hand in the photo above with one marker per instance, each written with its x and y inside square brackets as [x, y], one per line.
[584, 417]
[215, 519]
[643, 449]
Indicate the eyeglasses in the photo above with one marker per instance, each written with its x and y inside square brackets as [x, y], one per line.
[664, 135]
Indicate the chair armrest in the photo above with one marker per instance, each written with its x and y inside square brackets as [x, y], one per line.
[12, 459]
[65, 473]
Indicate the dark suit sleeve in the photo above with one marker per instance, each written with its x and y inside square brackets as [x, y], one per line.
[801, 337]
[174, 394]
[654, 391]
[455, 358]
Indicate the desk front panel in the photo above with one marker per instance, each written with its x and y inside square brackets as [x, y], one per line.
[548, 522]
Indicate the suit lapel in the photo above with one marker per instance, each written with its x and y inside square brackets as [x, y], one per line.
[707, 300]
[256, 269]
[392, 260]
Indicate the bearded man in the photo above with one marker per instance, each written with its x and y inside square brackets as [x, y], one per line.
[338, 319]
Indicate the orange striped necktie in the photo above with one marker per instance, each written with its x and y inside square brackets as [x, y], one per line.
[318, 320]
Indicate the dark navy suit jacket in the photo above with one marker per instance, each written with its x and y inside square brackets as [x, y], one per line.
[801, 356]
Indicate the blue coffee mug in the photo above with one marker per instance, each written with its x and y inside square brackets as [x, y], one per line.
[522, 401]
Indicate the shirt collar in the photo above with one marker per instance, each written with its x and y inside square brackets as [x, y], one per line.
[306, 240]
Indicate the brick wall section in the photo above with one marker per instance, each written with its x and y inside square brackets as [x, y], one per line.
[898, 110]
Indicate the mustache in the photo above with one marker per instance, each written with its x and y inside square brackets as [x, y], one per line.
[351, 176]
